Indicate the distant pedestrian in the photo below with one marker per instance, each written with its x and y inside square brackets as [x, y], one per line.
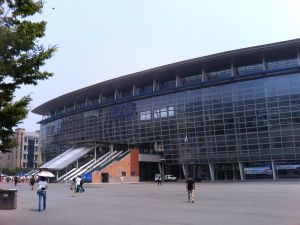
[78, 181]
[16, 180]
[122, 179]
[41, 190]
[159, 181]
[73, 186]
[36, 178]
[81, 186]
[32, 182]
[190, 187]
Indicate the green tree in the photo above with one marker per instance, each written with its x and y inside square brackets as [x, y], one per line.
[21, 59]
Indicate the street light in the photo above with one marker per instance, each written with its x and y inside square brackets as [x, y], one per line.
[1, 160]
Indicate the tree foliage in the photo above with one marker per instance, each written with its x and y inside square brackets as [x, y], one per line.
[14, 171]
[21, 59]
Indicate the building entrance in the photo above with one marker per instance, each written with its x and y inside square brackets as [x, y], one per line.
[227, 171]
[105, 177]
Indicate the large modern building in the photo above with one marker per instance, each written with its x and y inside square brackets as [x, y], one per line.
[231, 115]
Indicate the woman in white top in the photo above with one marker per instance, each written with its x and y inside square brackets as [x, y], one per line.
[42, 187]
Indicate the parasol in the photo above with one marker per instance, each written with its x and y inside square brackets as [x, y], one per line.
[45, 174]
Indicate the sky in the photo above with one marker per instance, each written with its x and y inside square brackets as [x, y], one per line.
[99, 40]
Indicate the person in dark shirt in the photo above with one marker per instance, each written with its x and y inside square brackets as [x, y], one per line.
[190, 187]
[16, 180]
[32, 182]
[159, 181]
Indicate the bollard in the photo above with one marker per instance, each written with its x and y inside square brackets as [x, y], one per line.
[8, 198]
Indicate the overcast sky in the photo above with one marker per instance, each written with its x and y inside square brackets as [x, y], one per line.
[102, 39]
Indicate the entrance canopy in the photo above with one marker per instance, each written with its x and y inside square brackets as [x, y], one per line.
[68, 157]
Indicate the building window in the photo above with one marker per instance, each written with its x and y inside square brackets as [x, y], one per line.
[146, 89]
[156, 113]
[171, 111]
[167, 84]
[279, 64]
[192, 79]
[123, 174]
[125, 93]
[164, 112]
[146, 115]
[24, 156]
[249, 69]
[220, 74]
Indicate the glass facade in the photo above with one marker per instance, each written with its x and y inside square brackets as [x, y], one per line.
[214, 118]
[255, 120]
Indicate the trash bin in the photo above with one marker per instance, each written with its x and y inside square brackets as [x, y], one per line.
[8, 199]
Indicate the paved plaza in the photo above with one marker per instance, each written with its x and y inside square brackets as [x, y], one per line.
[232, 203]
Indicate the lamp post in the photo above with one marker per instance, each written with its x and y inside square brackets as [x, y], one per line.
[1, 161]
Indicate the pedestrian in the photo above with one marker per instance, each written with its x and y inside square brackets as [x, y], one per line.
[77, 181]
[81, 185]
[36, 178]
[190, 187]
[73, 186]
[122, 179]
[41, 191]
[16, 180]
[31, 182]
[159, 181]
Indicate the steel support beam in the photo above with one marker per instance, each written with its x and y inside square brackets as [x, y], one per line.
[211, 171]
[274, 170]
[242, 174]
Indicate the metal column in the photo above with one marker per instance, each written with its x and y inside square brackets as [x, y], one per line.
[232, 68]
[211, 171]
[203, 75]
[274, 170]
[185, 170]
[241, 167]
[134, 90]
[265, 67]
[177, 80]
[161, 169]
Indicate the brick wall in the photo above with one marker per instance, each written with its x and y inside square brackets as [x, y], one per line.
[134, 162]
[129, 164]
